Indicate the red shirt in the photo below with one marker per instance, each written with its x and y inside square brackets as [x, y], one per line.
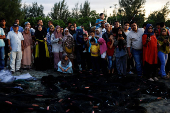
[150, 50]
[110, 51]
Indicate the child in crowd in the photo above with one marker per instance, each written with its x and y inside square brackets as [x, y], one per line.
[85, 54]
[103, 49]
[65, 65]
[98, 33]
[89, 46]
[121, 53]
[110, 53]
[94, 49]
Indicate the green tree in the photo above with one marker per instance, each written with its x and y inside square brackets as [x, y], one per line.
[33, 10]
[76, 11]
[133, 7]
[10, 10]
[60, 11]
[85, 9]
[160, 15]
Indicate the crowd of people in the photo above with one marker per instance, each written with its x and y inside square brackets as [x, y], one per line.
[105, 49]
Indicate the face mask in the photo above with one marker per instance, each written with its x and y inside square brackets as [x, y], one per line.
[120, 35]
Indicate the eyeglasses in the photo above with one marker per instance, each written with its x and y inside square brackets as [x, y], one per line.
[150, 28]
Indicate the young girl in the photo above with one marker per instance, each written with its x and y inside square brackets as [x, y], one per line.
[103, 49]
[121, 53]
[65, 65]
[57, 49]
[110, 53]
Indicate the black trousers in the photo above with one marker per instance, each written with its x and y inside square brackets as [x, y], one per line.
[150, 70]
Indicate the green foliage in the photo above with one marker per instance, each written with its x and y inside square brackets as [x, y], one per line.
[85, 9]
[75, 11]
[33, 10]
[10, 10]
[60, 11]
[132, 7]
[160, 15]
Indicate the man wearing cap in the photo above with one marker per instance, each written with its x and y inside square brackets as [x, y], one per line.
[20, 29]
[15, 43]
[2, 45]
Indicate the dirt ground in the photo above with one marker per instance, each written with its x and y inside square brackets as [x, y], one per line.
[162, 106]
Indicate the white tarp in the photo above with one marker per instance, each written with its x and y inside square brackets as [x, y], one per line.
[7, 77]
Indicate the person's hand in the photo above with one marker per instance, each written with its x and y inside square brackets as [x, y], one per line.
[22, 48]
[66, 70]
[148, 39]
[165, 40]
[130, 55]
[45, 39]
[121, 38]
[62, 70]
[36, 43]
[112, 40]
[60, 38]
[10, 48]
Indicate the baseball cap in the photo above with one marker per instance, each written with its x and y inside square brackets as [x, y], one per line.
[15, 25]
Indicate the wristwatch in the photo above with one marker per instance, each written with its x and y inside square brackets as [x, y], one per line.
[9, 46]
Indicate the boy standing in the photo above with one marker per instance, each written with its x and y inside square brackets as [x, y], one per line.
[94, 49]
[15, 42]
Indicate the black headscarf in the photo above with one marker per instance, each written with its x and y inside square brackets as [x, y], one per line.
[120, 43]
[72, 31]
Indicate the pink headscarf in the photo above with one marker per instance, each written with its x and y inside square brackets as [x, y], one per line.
[103, 46]
[57, 35]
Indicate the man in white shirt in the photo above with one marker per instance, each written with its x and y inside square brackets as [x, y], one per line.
[2, 52]
[15, 43]
[134, 40]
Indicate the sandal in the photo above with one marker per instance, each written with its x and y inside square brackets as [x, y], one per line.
[165, 77]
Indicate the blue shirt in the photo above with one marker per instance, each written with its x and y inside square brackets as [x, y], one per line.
[20, 29]
[2, 44]
[97, 21]
[48, 30]
[90, 44]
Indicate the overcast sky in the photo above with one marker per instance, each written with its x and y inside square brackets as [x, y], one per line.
[150, 5]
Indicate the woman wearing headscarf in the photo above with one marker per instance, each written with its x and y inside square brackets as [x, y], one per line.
[26, 53]
[65, 65]
[41, 50]
[51, 31]
[103, 49]
[121, 53]
[68, 45]
[163, 41]
[72, 30]
[150, 52]
[57, 49]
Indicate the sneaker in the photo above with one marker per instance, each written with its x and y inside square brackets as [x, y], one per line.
[155, 78]
[130, 72]
[151, 79]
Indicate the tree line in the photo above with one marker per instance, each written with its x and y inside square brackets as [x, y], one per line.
[81, 14]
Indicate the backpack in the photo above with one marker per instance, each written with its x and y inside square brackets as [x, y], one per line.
[79, 37]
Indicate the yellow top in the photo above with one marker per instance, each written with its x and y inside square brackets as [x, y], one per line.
[95, 49]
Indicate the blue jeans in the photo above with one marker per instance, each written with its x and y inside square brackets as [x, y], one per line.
[163, 59]
[110, 62]
[121, 64]
[2, 61]
[137, 54]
